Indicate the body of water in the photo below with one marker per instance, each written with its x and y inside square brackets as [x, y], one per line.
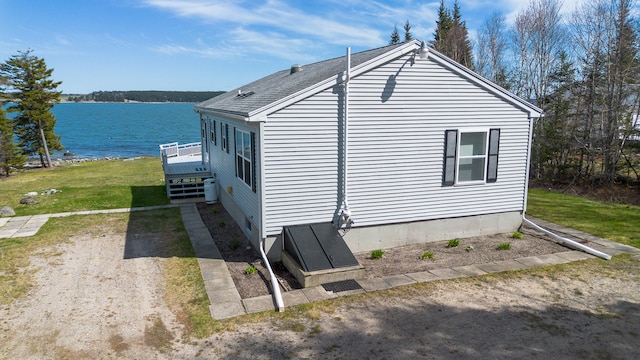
[124, 130]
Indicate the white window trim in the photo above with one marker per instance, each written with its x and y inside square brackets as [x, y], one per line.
[237, 153]
[485, 156]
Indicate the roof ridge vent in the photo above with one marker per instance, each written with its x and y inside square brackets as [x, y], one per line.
[244, 94]
[296, 68]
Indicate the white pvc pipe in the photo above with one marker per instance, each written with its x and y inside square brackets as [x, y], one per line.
[275, 286]
[574, 244]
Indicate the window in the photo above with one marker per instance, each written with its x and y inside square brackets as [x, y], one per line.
[224, 137]
[470, 157]
[245, 157]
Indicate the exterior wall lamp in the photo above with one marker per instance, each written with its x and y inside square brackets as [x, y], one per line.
[423, 52]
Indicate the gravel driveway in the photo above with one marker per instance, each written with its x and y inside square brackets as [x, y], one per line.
[91, 301]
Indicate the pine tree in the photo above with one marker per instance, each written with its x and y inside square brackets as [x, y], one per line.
[443, 25]
[451, 36]
[10, 153]
[395, 36]
[407, 31]
[33, 97]
[462, 50]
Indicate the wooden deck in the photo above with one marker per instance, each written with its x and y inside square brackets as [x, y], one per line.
[184, 172]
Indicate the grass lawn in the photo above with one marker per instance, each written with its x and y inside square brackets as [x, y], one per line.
[93, 185]
[620, 223]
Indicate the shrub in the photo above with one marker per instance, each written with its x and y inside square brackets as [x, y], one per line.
[377, 254]
[222, 224]
[453, 243]
[516, 235]
[234, 242]
[250, 270]
[504, 246]
[427, 255]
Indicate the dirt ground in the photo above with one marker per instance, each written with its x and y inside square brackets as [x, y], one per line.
[101, 296]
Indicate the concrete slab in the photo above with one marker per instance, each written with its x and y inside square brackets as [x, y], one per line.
[220, 283]
[258, 304]
[7, 233]
[350, 292]
[575, 255]
[398, 280]
[3, 221]
[318, 293]
[424, 276]
[211, 268]
[374, 284]
[541, 260]
[226, 310]
[499, 266]
[294, 297]
[24, 233]
[469, 270]
[223, 296]
[446, 273]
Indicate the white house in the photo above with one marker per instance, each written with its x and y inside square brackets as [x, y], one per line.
[433, 151]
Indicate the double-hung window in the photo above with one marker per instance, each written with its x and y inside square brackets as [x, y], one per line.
[245, 157]
[224, 137]
[471, 157]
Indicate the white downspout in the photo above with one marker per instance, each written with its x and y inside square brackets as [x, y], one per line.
[568, 242]
[275, 286]
[345, 213]
[573, 244]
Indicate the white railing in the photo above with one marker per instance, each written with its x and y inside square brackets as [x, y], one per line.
[174, 149]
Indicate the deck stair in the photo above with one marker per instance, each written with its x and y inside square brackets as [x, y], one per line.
[184, 172]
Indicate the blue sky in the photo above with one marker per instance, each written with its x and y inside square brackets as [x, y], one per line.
[204, 45]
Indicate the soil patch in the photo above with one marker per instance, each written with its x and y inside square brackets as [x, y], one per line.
[239, 254]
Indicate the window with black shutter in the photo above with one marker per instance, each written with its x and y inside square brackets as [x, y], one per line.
[470, 157]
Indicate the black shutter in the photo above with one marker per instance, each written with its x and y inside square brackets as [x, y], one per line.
[235, 147]
[253, 161]
[226, 130]
[449, 166]
[213, 133]
[492, 163]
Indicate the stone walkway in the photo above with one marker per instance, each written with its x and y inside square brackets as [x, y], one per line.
[224, 297]
[23, 226]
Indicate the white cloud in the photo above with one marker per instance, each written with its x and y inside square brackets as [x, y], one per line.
[274, 15]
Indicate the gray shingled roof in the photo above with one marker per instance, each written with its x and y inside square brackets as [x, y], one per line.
[283, 83]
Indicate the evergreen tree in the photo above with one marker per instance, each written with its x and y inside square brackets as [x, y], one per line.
[559, 128]
[34, 95]
[395, 36]
[451, 36]
[407, 31]
[461, 47]
[10, 153]
[443, 25]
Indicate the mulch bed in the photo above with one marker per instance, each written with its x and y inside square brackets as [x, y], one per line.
[239, 254]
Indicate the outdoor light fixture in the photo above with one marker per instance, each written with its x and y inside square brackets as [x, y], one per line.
[423, 52]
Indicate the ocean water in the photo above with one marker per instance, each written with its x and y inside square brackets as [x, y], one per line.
[124, 130]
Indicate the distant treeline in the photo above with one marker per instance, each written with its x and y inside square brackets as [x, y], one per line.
[146, 96]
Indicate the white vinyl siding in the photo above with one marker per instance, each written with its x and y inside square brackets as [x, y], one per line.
[223, 165]
[396, 143]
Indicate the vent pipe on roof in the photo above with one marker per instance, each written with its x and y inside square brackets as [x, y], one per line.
[295, 68]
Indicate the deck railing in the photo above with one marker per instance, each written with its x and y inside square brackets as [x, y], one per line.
[174, 149]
